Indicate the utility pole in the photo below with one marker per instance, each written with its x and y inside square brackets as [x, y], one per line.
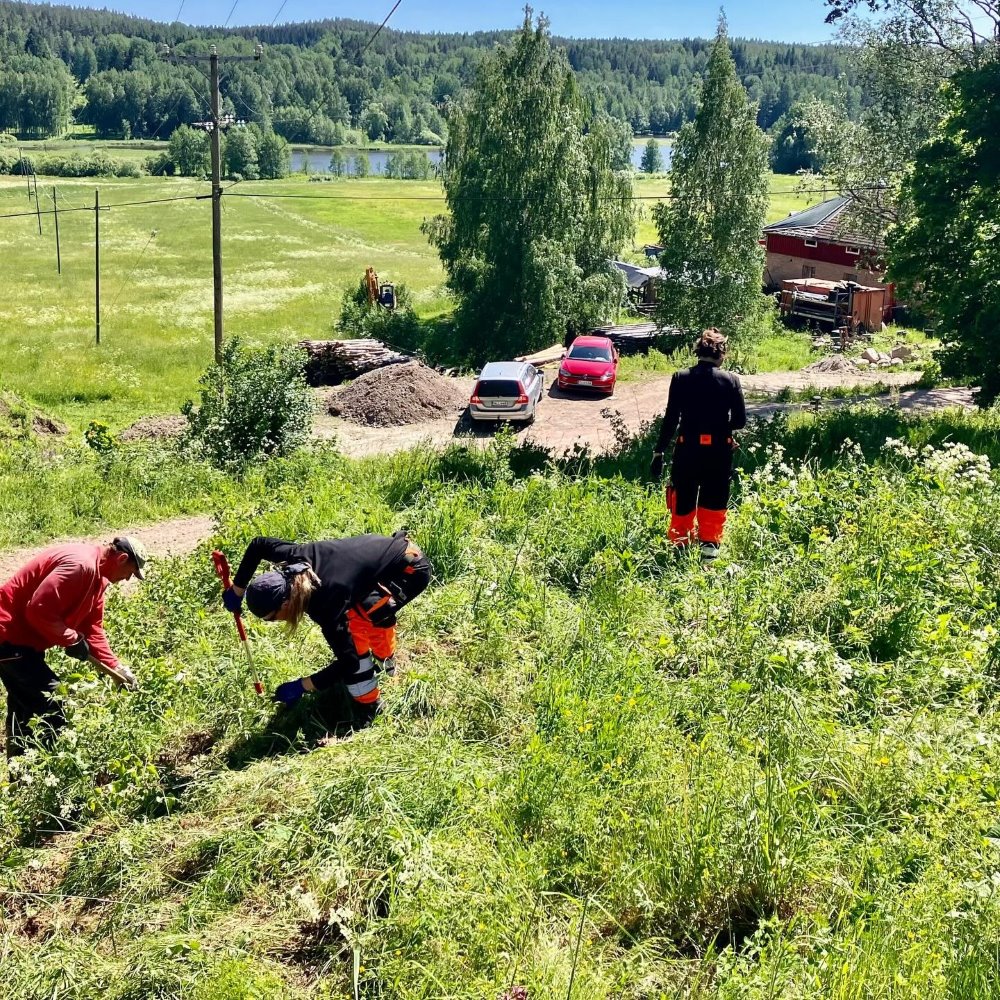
[97, 264]
[215, 129]
[38, 207]
[213, 61]
[55, 213]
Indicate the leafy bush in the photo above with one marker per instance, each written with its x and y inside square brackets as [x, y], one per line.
[254, 404]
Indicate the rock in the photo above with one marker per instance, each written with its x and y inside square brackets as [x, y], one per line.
[896, 362]
[883, 363]
[870, 354]
[903, 352]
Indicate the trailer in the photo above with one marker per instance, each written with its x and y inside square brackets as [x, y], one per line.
[835, 305]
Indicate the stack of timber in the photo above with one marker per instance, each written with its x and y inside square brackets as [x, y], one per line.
[331, 362]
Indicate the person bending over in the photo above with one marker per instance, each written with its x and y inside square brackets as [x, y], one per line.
[57, 599]
[352, 588]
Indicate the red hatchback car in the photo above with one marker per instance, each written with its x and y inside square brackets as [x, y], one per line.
[590, 363]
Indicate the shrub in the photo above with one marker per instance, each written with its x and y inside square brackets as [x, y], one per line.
[254, 404]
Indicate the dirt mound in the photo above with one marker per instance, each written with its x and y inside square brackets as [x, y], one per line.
[154, 429]
[17, 419]
[397, 395]
[836, 363]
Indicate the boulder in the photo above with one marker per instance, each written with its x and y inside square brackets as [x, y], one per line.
[903, 352]
[871, 355]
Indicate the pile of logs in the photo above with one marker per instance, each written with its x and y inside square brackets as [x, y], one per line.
[334, 361]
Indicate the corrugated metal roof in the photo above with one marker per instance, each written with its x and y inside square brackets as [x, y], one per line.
[821, 222]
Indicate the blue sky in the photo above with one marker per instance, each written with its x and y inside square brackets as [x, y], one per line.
[780, 20]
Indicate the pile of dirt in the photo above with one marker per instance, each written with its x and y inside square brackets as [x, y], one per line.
[154, 429]
[398, 395]
[835, 363]
[17, 419]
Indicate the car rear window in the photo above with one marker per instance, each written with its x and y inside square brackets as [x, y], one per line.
[588, 353]
[492, 387]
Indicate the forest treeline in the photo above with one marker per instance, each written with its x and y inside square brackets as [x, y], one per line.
[64, 65]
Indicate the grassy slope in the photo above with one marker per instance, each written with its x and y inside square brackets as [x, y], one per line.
[776, 777]
[286, 265]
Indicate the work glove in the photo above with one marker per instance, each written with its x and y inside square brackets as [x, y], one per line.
[232, 601]
[79, 650]
[656, 466]
[289, 692]
[125, 678]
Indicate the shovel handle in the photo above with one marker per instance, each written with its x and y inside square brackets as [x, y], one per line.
[222, 570]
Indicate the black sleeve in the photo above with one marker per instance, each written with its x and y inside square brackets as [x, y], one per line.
[738, 410]
[672, 417]
[272, 549]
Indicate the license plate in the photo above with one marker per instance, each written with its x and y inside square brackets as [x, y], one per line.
[585, 381]
[499, 405]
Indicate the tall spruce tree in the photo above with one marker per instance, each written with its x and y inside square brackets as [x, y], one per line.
[710, 228]
[540, 200]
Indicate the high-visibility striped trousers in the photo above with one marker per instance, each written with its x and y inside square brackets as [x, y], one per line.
[698, 494]
[368, 629]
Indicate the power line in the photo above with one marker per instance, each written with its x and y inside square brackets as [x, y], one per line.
[235, 4]
[348, 197]
[121, 204]
[280, 9]
[380, 27]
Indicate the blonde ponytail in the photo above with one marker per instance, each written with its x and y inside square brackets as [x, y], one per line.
[302, 586]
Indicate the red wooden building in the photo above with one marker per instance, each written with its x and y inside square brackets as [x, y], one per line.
[816, 244]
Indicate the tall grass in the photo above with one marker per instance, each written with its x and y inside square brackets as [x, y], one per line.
[775, 776]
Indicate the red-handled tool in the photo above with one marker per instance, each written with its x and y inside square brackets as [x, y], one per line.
[222, 569]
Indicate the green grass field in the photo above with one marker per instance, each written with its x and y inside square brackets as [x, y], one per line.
[287, 262]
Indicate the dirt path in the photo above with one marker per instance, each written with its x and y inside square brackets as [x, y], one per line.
[176, 537]
[564, 421]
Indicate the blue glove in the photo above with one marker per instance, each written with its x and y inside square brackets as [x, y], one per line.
[289, 692]
[232, 601]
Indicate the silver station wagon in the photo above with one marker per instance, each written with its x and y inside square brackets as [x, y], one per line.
[507, 390]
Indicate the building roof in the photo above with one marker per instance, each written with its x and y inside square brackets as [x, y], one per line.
[636, 276]
[821, 222]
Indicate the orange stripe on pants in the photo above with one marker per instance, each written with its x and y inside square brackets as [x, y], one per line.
[711, 524]
[369, 639]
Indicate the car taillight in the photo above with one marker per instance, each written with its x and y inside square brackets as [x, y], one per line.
[474, 399]
[522, 399]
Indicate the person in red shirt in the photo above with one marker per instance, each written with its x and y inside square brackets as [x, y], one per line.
[57, 599]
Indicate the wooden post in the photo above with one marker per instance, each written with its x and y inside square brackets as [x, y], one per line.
[27, 179]
[55, 212]
[216, 204]
[38, 208]
[97, 264]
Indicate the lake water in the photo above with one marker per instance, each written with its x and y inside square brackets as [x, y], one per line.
[319, 160]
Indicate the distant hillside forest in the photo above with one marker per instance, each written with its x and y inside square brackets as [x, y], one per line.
[65, 65]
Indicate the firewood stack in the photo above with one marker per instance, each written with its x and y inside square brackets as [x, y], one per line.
[334, 361]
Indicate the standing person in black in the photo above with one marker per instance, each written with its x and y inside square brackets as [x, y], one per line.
[352, 588]
[704, 408]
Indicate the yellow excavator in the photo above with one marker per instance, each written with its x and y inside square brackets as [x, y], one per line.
[379, 294]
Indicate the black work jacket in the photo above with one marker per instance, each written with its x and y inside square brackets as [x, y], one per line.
[705, 406]
[348, 570]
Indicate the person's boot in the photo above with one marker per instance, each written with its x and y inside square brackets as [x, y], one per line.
[709, 551]
[365, 713]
